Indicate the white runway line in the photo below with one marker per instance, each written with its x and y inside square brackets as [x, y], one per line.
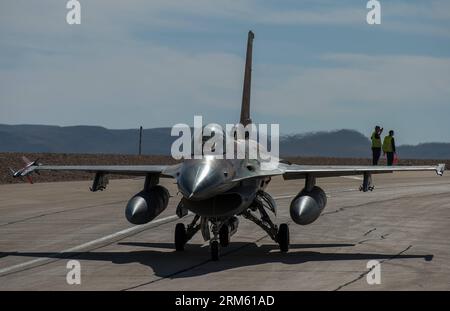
[353, 177]
[287, 196]
[107, 238]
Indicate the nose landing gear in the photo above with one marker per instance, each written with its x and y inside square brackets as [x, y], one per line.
[214, 246]
[214, 242]
[224, 236]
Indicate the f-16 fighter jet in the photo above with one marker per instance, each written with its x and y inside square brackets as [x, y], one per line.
[219, 191]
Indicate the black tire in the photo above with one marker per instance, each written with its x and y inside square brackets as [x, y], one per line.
[283, 238]
[180, 237]
[214, 250]
[224, 236]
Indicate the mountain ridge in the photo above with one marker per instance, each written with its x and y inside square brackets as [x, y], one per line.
[157, 141]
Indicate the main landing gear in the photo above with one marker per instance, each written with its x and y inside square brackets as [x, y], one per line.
[219, 231]
[180, 237]
[283, 237]
[221, 237]
[279, 234]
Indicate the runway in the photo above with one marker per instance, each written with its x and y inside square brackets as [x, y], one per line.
[404, 224]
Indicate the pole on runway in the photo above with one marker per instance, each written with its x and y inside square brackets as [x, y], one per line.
[140, 140]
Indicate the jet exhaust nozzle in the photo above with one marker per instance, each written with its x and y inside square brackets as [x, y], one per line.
[146, 205]
[307, 206]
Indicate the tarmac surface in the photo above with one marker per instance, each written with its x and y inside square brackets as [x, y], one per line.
[404, 224]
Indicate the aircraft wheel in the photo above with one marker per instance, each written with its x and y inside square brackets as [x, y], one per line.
[214, 250]
[224, 236]
[180, 237]
[283, 237]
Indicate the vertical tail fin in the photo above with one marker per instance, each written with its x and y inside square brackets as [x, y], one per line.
[245, 108]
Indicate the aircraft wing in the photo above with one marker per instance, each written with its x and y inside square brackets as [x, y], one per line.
[295, 171]
[310, 172]
[137, 170]
[151, 172]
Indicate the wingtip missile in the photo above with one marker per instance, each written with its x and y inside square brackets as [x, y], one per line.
[26, 170]
[440, 169]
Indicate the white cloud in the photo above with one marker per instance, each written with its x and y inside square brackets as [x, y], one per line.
[395, 80]
[358, 90]
[118, 18]
[100, 73]
[131, 82]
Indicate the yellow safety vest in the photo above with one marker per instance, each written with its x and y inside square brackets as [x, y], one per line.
[376, 142]
[387, 144]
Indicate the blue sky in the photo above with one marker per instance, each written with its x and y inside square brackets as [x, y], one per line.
[317, 64]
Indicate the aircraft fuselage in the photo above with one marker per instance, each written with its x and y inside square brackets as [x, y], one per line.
[208, 188]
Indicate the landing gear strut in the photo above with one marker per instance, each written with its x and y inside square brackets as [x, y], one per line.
[214, 246]
[278, 234]
[214, 242]
[367, 184]
[224, 236]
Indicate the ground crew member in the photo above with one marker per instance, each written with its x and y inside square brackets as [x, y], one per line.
[389, 147]
[376, 145]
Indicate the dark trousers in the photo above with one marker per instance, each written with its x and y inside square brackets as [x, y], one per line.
[376, 153]
[390, 158]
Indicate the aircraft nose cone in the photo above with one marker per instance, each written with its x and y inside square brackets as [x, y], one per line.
[200, 180]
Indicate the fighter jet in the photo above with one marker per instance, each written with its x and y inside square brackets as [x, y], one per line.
[217, 192]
